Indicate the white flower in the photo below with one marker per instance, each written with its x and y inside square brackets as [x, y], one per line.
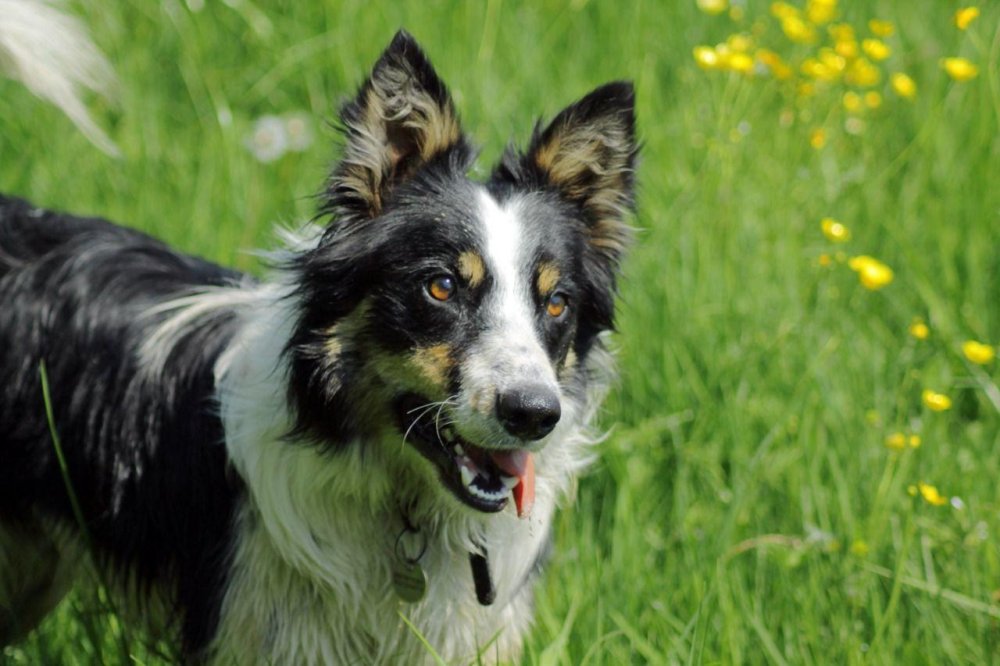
[269, 139]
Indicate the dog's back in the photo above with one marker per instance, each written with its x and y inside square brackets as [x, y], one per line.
[76, 295]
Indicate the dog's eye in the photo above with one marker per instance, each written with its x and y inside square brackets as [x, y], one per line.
[556, 304]
[442, 287]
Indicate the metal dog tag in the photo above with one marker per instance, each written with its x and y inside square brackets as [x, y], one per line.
[409, 581]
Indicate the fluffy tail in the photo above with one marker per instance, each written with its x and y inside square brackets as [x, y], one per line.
[50, 53]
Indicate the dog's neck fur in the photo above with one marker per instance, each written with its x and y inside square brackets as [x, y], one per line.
[311, 576]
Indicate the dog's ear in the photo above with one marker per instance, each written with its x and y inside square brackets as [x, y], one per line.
[401, 119]
[587, 153]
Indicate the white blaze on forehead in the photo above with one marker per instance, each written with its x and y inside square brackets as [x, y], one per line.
[504, 252]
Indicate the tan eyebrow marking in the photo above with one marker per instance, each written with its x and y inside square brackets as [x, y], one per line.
[471, 268]
[548, 277]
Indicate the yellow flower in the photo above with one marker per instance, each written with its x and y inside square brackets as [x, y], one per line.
[834, 230]
[774, 63]
[965, 16]
[806, 89]
[873, 100]
[896, 440]
[820, 71]
[736, 13]
[797, 30]
[936, 402]
[817, 138]
[706, 57]
[821, 11]
[977, 352]
[852, 101]
[914, 441]
[876, 49]
[931, 494]
[841, 32]
[881, 28]
[739, 42]
[825, 260]
[960, 69]
[846, 48]
[903, 85]
[739, 62]
[783, 10]
[713, 6]
[919, 330]
[859, 548]
[863, 73]
[873, 273]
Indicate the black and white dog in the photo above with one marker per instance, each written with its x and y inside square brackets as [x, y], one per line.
[280, 471]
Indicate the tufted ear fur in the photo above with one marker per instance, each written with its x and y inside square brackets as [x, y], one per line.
[587, 154]
[401, 119]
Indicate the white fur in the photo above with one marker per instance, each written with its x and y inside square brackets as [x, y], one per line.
[51, 54]
[509, 352]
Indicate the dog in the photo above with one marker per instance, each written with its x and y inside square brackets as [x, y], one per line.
[350, 460]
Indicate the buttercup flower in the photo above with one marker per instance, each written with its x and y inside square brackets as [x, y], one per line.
[960, 69]
[873, 100]
[817, 138]
[914, 441]
[821, 11]
[936, 402]
[965, 16]
[873, 273]
[834, 230]
[931, 495]
[977, 352]
[896, 440]
[881, 28]
[876, 49]
[713, 6]
[852, 101]
[919, 329]
[706, 57]
[903, 85]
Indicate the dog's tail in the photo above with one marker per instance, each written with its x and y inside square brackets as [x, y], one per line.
[50, 53]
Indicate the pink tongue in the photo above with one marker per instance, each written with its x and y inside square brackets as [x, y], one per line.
[511, 463]
[519, 464]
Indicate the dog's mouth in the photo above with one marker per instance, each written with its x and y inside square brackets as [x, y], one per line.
[484, 479]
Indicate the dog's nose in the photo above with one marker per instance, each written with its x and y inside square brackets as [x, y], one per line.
[528, 411]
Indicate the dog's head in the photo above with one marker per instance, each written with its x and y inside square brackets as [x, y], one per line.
[462, 315]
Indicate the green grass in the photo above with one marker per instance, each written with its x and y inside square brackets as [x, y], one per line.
[745, 508]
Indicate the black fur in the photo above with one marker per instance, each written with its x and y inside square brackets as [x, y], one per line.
[145, 458]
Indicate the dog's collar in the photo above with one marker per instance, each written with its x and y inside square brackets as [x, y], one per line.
[409, 581]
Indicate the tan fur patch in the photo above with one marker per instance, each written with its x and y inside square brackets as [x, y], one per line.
[471, 268]
[590, 163]
[434, 363]
[548, 277]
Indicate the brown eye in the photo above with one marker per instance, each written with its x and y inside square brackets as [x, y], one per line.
[442, 287]
[556, 305]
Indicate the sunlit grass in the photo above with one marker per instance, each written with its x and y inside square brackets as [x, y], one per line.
[748, 505]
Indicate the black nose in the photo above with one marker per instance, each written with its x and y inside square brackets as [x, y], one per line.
[529, 411]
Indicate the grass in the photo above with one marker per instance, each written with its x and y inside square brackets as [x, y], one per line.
[745, 508]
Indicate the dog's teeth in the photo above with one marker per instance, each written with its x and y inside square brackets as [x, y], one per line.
[509, 481]
[468, 476]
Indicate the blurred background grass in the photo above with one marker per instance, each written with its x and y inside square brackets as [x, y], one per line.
[746, 508]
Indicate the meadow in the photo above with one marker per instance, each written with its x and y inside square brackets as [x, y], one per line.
[803, 459]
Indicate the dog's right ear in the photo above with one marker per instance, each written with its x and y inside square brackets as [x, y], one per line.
[401, 119]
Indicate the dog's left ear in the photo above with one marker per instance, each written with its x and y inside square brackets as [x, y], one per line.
[587, 154]
[401, 119]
